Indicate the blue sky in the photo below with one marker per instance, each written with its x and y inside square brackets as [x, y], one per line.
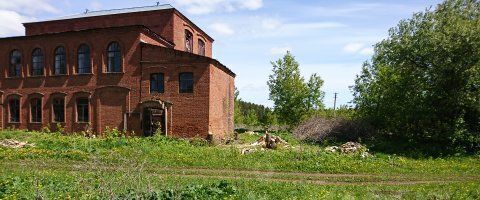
[328, 37]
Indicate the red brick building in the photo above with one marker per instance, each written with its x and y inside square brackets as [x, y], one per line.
[137, 69]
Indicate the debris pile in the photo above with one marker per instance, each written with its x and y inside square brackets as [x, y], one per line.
[349, 148]
[267, 141]
[14, 144]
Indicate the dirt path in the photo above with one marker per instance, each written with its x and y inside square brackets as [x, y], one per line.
[238, 174]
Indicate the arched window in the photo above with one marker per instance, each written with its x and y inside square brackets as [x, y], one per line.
[82, 110]
[37, 62]
[58, 109]
[188, 41]
[201, 47]
[114, 57]
[60, 61]
[14, 110]
[186, 82]
[83, 57]
[15, 67]
[35, 110]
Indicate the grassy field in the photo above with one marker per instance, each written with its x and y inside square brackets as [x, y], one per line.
[63, 167]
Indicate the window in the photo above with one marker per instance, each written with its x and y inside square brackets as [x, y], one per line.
[14, 108]
[83, 57]
[60, 61]
[37, 62]
[156, 83]
[114, 57]
[186, 82]
[201, 47]
[35, 110]
[59, 110]
[188, 41]
[82, 110]
[15, 64]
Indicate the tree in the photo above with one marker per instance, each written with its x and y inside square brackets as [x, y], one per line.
[293, 98]
[423, 82]
[268, 119]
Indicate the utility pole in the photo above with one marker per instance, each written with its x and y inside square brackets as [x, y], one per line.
[335, 104]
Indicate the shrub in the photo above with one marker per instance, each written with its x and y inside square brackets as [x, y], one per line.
[221, 190]
[113, 132]
[321, 129]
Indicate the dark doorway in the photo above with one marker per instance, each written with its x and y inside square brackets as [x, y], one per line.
[153, 121]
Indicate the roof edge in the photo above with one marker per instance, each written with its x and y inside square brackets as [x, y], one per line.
[88, 14]
[213, 61]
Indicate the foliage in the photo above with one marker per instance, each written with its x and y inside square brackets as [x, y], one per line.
[113, 133]
[294, 98]
[76, 167]
[251, 114]
[422, 84]
[320, 130]
[220, 190]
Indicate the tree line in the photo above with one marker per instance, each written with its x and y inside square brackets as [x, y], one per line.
[421, 88]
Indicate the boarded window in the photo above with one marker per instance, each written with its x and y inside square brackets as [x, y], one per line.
[157, 83]
[186, 82]
[82, 110]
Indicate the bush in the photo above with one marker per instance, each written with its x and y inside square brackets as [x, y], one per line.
[220, 190]
[320, 129]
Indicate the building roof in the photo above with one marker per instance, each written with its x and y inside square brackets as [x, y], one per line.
[213, 61]
[109, 12]
[142, 28]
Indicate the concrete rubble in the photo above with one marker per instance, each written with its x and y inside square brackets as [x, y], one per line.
[14, 144]
[349, 148]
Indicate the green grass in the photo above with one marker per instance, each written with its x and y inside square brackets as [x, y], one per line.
[85, 168]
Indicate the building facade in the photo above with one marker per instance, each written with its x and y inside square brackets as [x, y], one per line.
[143, 70]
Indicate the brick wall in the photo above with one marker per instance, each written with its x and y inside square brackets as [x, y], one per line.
[116, 96]
[98, 86]
[221, 102]
[168, 23]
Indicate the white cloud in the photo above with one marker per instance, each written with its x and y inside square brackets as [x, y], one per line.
[251, 4]
[199, 7]
[314, 25]
[358, 48]
[280, 50]
[11, 24]
[95, 5]
[222, 29]
[272, 27]
[271, 24]
[15, 12]
[28, 7]
[353, 47]
[367, 51]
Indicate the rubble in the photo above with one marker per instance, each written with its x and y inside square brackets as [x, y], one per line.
[267, 141]
[349, 148]
[14, 144]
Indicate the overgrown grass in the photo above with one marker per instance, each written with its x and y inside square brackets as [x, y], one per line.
[112, 167]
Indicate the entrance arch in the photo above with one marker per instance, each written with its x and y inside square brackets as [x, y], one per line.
[154, 117]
